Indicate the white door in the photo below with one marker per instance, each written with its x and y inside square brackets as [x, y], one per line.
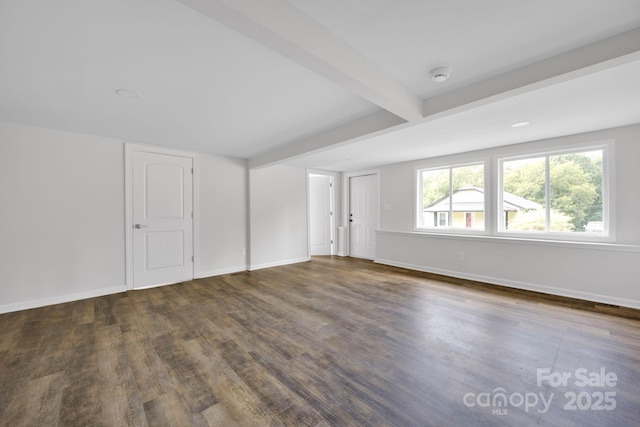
[363, 216]
[320, 215]
[162, 219]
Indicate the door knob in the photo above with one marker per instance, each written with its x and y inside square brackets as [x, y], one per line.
[140, 226]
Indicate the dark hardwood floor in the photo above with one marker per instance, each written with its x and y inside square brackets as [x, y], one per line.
[331, 342]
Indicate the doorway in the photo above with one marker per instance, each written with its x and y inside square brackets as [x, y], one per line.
[160, 217]
[321, 215]
[363, 215]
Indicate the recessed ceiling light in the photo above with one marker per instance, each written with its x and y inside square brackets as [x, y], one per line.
[520, 124]
[440, 74]
[126, 93]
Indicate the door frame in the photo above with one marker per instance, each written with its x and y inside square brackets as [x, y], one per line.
[346, 201]
[334, 208]
[129, 150]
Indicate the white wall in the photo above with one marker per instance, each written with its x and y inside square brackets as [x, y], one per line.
[62, 216]
[223, 184]
[278, 212]
[599, 272]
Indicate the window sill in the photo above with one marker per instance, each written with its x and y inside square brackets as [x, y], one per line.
[608, 246]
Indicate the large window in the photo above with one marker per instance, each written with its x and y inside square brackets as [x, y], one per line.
[562, 193]
[451, 198]
[554, 193]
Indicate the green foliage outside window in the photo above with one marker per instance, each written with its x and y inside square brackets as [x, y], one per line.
[436, 182]
[575, 189]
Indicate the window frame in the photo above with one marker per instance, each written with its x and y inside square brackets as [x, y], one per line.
[493, 216]
[449, 229]
[608, 186]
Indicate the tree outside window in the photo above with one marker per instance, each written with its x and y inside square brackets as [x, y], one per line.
[568, 187]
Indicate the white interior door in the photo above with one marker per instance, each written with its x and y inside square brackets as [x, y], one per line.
[363, 216]
[162, 219]
[320, 215]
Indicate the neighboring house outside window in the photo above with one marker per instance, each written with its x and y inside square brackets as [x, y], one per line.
[434, 188]
[468, 208]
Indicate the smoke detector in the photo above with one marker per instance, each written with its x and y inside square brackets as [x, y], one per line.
[440, 74]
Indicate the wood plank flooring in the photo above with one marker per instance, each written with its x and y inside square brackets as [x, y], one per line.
[331, 342]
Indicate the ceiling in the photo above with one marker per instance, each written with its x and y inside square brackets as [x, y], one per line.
[336, 85]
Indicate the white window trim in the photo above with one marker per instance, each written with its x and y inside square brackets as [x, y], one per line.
[493, 191]
[448, 229]
[608, 187]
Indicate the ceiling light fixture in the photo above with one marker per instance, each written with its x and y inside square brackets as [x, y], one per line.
[440, 74]
[520, 124]
[126, 93]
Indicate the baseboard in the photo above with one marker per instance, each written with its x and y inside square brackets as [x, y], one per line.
[60, 299]
[278, 263]
[587, 296]
[221, 271]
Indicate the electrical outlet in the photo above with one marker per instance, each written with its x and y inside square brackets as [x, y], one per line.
[460, 256]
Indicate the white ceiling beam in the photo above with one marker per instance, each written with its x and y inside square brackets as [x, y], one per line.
[280, 26]
[366, 127]
[589, 59]
[599, 56]
[283, 28]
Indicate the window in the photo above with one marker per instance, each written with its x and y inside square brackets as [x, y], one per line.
[556, 193]
[564, 194]
[451, 198]
[443, 219]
